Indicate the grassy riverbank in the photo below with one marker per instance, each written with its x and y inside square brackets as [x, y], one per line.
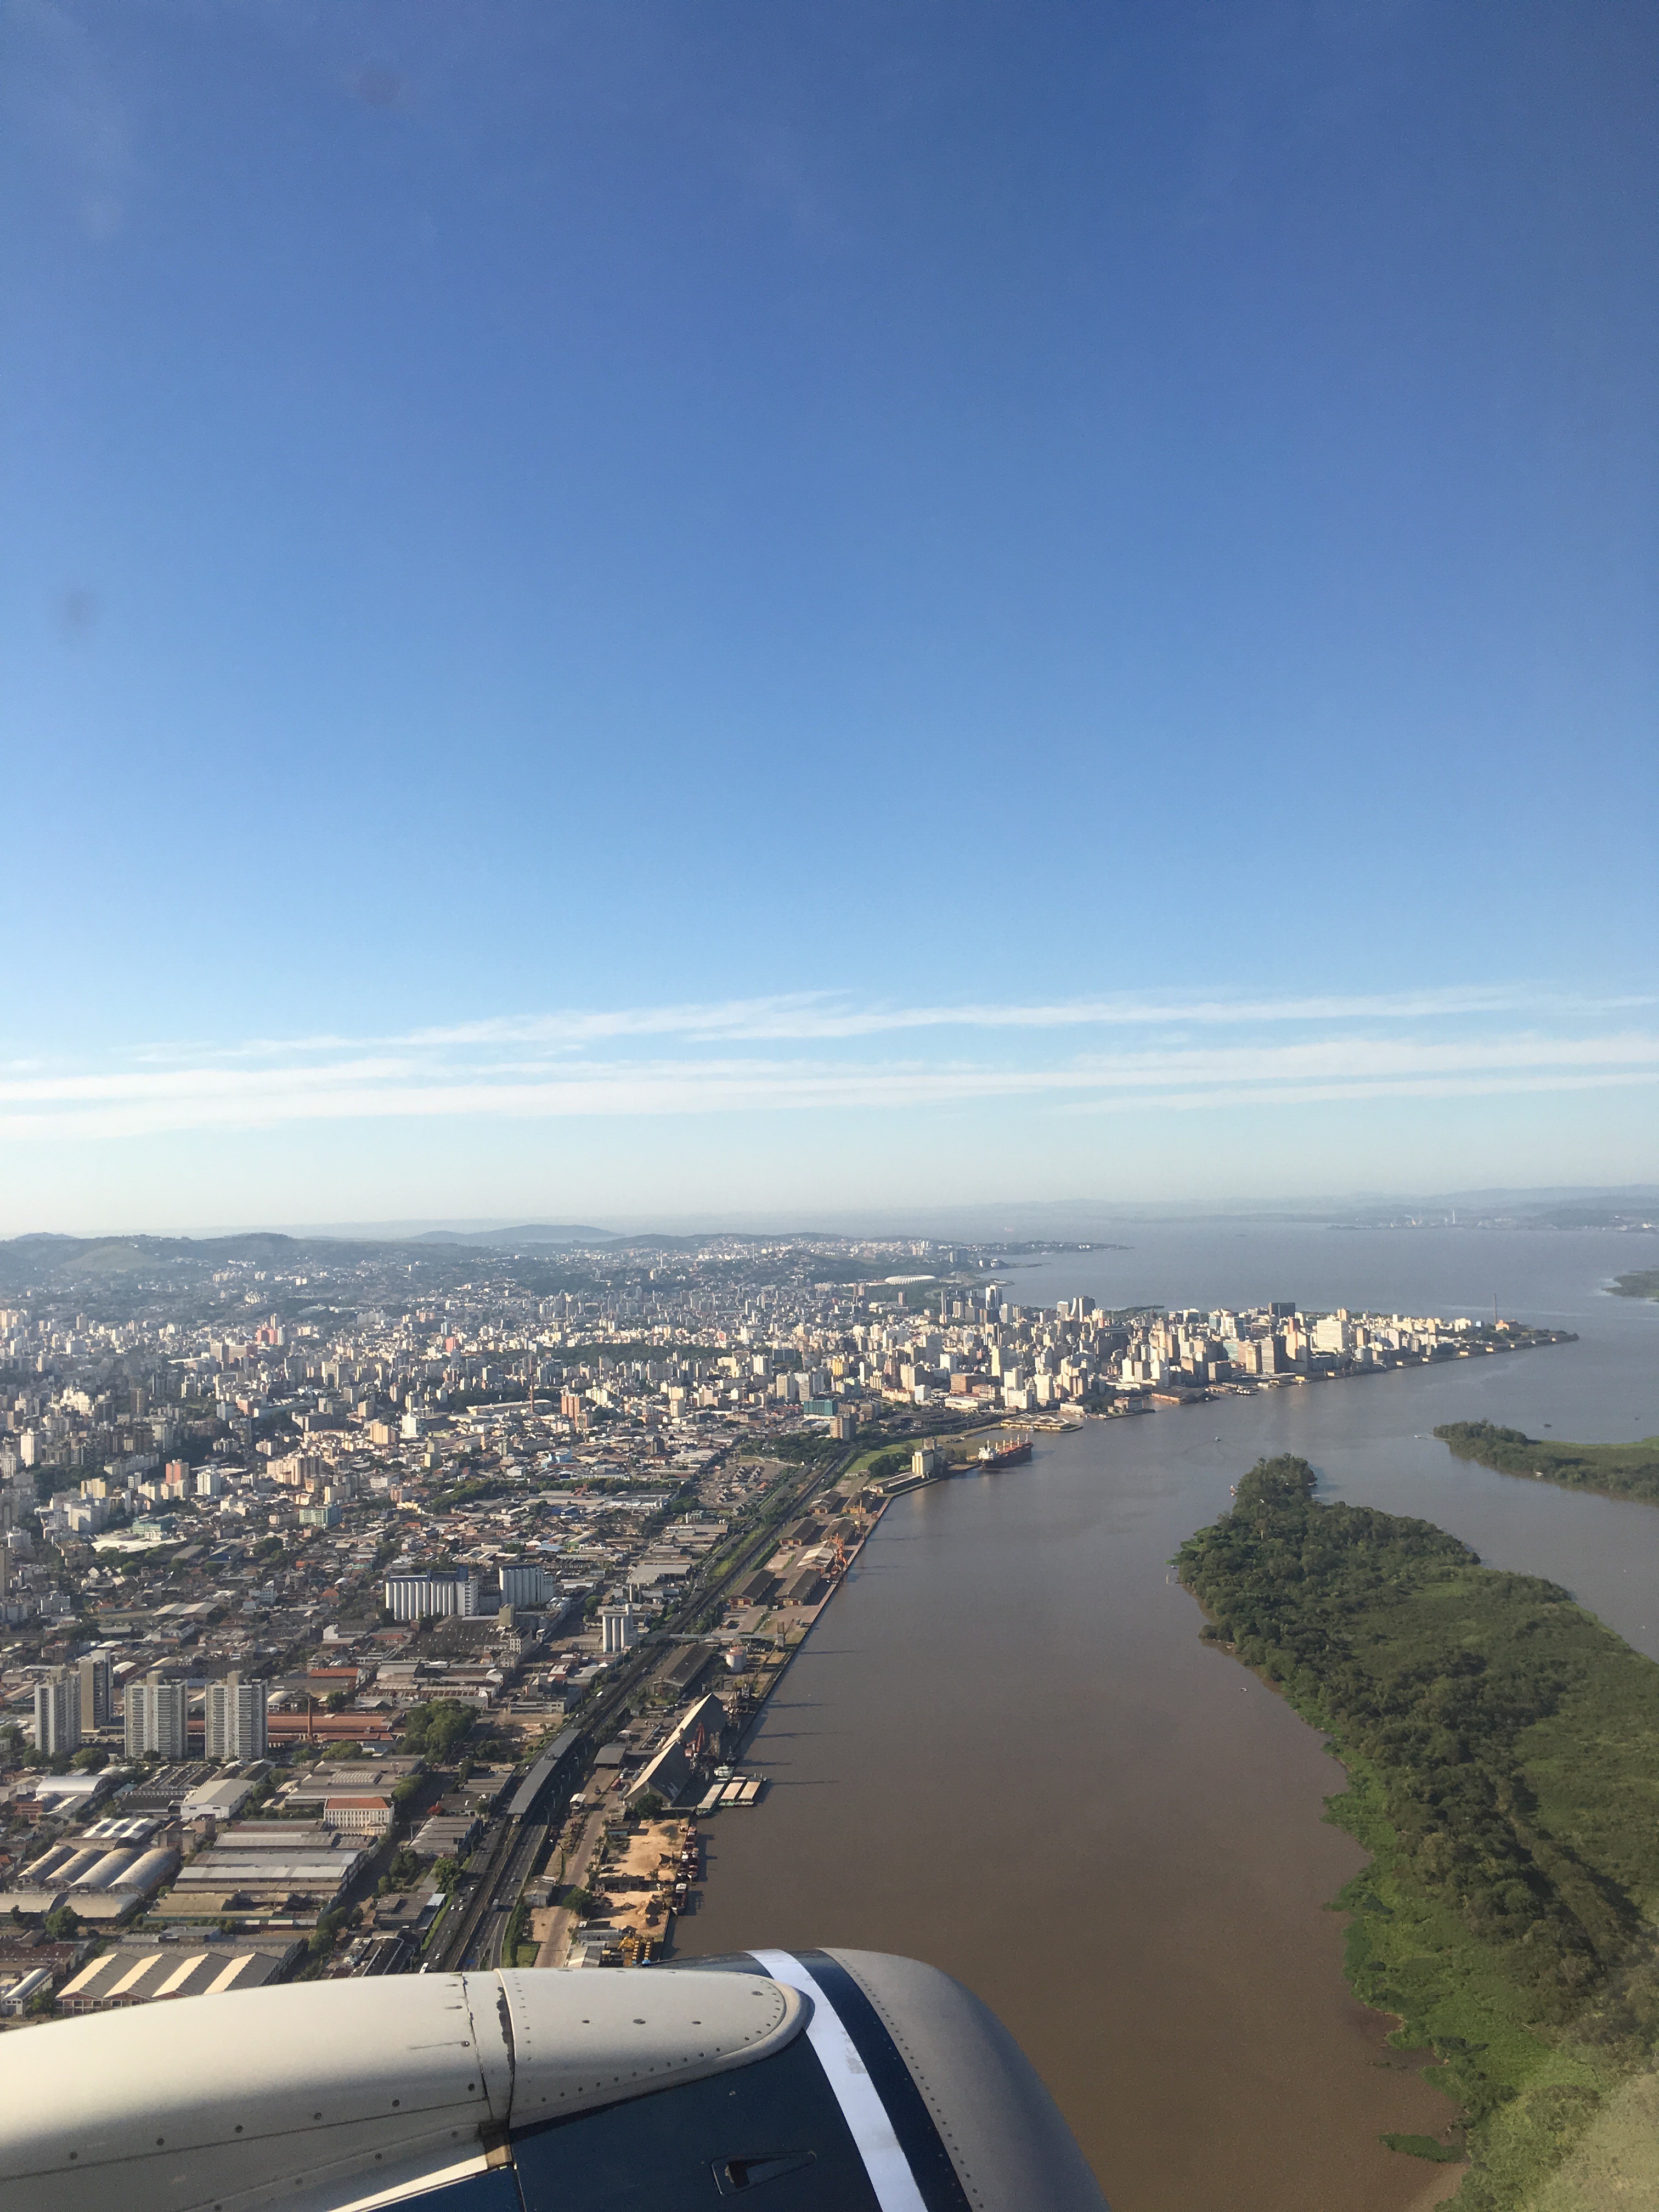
[1614, 1470]
[1503, 1752]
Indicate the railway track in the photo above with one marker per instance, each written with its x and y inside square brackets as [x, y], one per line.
[478, 1931]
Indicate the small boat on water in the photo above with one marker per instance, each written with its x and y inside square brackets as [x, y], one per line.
[1011, 1452]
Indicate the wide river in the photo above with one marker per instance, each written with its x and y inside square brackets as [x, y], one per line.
[1004, 1748]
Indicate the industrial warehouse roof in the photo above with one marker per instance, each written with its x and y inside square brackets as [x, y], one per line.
[447, 1835]
[687, 1669]
[124, 1977]
[232, 1870]
[283, 1836]
[694, 1733]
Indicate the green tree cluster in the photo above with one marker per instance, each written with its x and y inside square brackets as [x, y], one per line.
[324, 1934]
[886, 1465]
[517, 1937]
[468, 1492]
[1503, 1747]
[805, 1448]
[1614, 1470]
[435, 1728]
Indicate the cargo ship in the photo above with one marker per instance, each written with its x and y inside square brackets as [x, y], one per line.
[1011, 1453]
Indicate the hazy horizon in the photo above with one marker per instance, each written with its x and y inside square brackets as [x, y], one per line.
[968, 1219]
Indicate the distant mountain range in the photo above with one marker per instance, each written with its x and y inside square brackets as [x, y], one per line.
[537, 1232]
[44, 1256]
[26, 1260]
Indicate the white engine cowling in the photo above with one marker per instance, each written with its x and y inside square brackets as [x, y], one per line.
[342, 2094]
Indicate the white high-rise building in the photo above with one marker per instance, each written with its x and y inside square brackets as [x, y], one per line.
[235, 1723]
[1333, 1332]
[154, 1715]
[57, 1713]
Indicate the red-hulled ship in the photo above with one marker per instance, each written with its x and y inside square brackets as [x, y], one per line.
[1010, 1453]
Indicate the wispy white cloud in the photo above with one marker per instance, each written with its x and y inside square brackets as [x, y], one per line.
[451, 1074]
[1428, 1086]
[821, 1016]
[829, 1018]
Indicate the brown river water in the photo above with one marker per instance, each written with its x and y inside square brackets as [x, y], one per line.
[1003, 1749]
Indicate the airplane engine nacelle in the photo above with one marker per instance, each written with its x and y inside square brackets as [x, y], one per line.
[836, 2081]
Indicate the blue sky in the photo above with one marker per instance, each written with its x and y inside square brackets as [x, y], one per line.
[645, 607]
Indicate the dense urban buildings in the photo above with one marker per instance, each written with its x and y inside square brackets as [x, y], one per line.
[306, 1551]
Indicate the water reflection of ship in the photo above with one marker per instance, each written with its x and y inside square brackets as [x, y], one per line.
[1011, 1452]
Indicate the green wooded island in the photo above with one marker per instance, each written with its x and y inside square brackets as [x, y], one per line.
[1614, 1470]
[1643, 1283]
[1502, 1747]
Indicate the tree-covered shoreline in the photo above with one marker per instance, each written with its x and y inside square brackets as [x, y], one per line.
[1611, 1470]
[1502, 1750]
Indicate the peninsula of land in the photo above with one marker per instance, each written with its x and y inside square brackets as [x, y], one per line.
[1643, 1283]
[1614, 1470]
[1502, 1747]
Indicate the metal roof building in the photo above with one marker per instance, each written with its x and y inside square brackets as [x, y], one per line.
[542, 1773]
[131, 1975]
